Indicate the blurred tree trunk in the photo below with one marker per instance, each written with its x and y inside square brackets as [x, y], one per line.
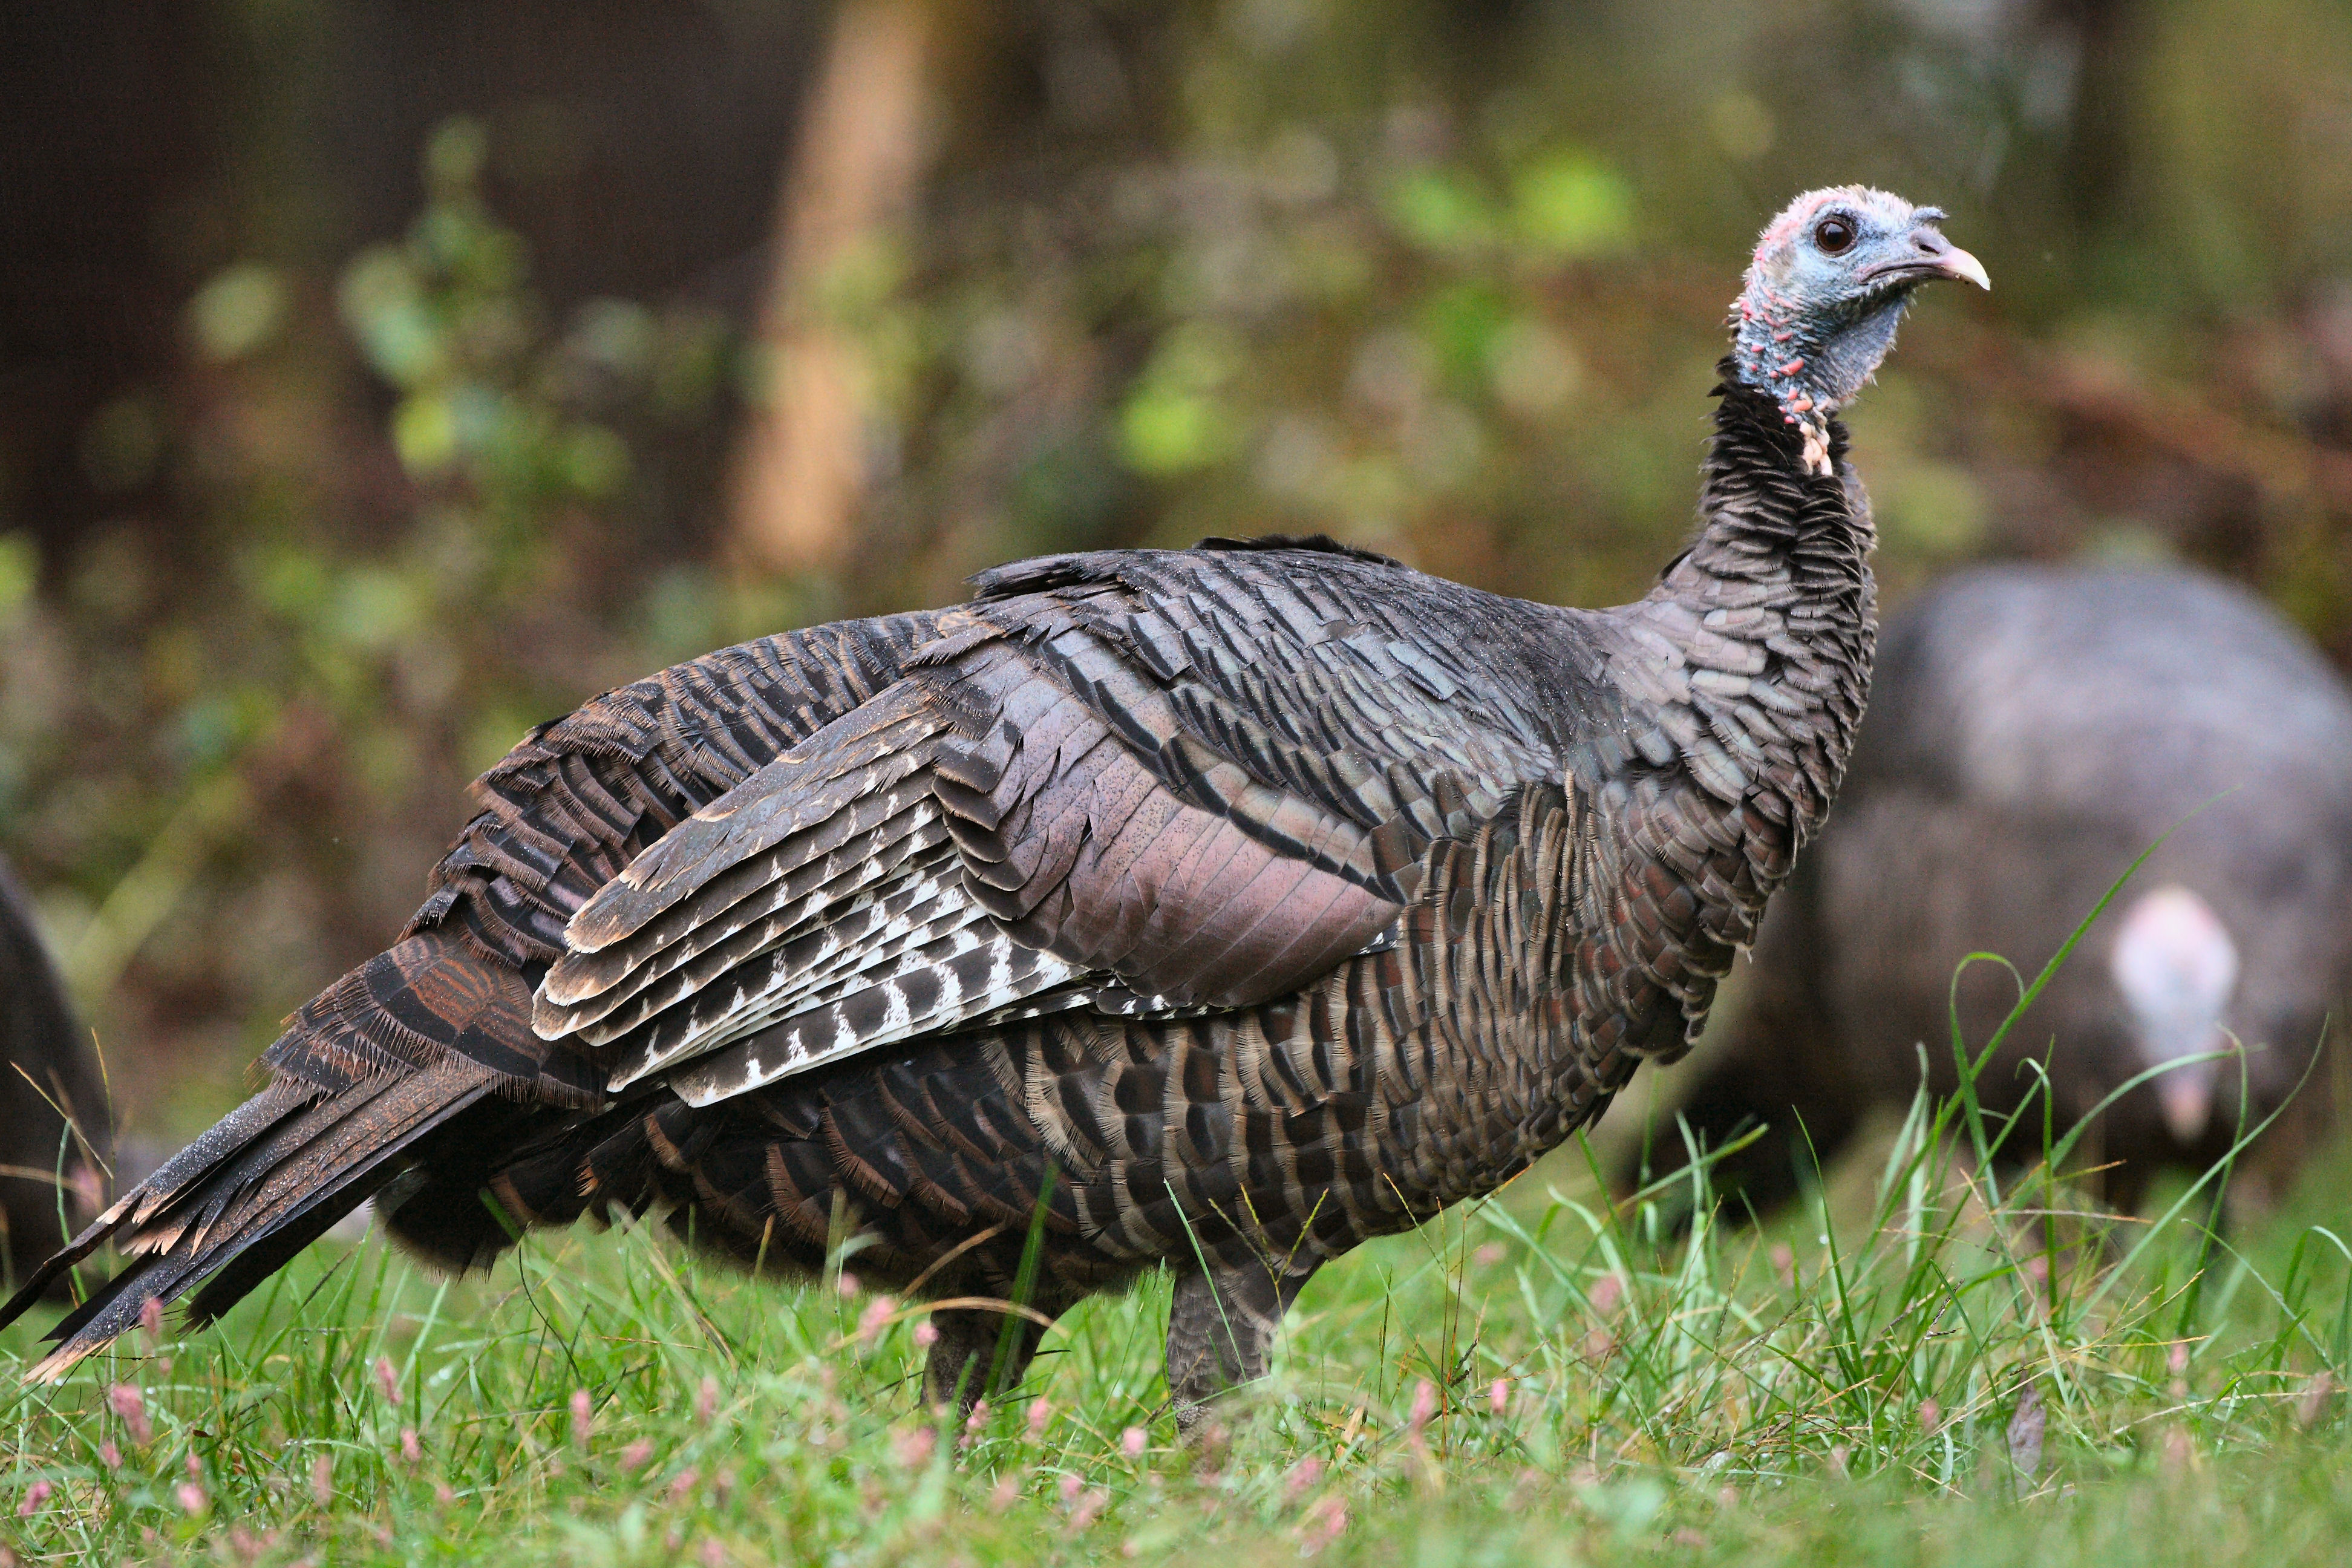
[800, 459]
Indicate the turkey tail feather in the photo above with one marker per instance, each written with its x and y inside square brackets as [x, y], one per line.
[426, 1039]
[238, 1129]
[264, 1183]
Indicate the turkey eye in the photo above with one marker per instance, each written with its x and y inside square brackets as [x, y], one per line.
[1834, 236]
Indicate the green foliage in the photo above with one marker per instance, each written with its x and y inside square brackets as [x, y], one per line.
[1175, 418]
[487, 404]
[1571, 204]
[182, 750]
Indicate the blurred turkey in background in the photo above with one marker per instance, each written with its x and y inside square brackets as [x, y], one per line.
[381, 377]
[55, 1130]
[2031, 731]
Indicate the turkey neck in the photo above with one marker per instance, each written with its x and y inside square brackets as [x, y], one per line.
[1740, 680]
[1781, 563]
[1770, 528]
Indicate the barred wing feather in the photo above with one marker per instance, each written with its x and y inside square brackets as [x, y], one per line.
[1118, 794]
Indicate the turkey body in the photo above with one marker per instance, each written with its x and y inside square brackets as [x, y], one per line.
[2034, 730]
[49, 1173]
[1217, 908]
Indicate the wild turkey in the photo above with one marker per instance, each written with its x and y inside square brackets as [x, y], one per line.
[48, 1173]
[1220, 908]
[2032, 731]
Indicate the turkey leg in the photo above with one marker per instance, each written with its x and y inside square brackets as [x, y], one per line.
[1221, 1327]
[966, 1351]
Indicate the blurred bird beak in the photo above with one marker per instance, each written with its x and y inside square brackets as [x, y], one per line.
[1933, 256]
[2187, 1095]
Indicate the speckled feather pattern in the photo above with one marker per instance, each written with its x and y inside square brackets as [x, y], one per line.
[1226, 906]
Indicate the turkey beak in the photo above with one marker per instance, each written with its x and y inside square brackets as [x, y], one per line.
[1932, 256]
[2187, 1095]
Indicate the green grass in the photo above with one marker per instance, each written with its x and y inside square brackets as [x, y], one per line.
[1934, 1359]
[1722, 1397]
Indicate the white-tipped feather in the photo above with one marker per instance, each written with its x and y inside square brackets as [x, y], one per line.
[1009, 975]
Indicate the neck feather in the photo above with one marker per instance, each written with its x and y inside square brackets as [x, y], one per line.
[1780, 537]
[1766, 510]
[1808, 364]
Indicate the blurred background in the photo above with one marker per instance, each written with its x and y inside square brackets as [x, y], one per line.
[381, 377]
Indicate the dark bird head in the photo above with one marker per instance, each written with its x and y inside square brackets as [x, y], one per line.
[1829, 279]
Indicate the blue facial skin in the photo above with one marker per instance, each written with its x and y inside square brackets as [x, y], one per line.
[1825, 292]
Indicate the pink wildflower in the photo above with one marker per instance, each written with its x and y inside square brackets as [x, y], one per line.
[35, 1496]
[584, 1416]
[682, 1484]
[1489, 1255]
[634, 1456]
[1499, 1395]
[706, 1401]
[713, 1555]
[926, 1335]
[2316, 1395]
[411, 1450]
[1324, 1524]
[1424, 1407]
[1784, 1265]
[195, 1467]
[323, 1481]
[1132, 1442]
[1041, 1410]
[1301, 1479]
[192, 1497]
[442, 1494]
[1089, 1509]
[387, 1378]
[1607, 1291]
[1072, 1485]
[110, 1456]
[876, 1317]
[1006, 1493]
[130, 1403]
[846, 1284]
[913, 1449]
[1931, 1415]
[151, 1319]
